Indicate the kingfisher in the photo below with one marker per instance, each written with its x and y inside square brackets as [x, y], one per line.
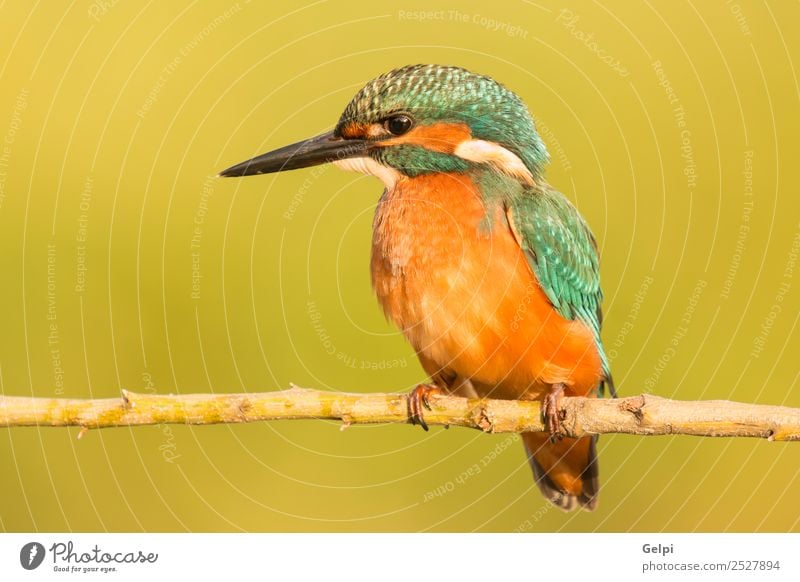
[490, 273]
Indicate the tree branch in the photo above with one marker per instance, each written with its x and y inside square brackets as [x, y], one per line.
[640, 415]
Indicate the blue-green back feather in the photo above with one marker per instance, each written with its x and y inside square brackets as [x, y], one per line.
[563, 255]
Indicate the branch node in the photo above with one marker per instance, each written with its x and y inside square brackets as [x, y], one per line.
[126, 399]
[483, 419]
[572, 413]
[83, 431]
[346, 422]
[242, 407]
[634, 405]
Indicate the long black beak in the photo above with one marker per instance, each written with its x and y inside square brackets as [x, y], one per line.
[310, 152]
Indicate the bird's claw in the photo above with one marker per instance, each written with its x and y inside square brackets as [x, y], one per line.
[551, 413]
[418, 400]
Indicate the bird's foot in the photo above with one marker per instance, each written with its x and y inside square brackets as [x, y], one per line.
[418, 399]
[551, 415]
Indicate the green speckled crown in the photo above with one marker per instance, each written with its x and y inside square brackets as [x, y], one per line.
[436, 93]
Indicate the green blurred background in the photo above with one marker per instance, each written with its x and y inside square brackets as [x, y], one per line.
[126, 264]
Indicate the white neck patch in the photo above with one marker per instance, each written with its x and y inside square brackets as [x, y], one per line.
[488, 152]
[366, 165]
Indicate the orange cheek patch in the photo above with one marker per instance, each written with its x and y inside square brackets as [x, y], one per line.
[439, 137]
[355, 130]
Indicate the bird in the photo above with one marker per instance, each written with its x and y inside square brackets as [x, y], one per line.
[490, 273]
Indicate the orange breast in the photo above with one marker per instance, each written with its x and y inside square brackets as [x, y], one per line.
[449, 273]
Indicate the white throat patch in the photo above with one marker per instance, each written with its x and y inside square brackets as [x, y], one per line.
[488, 152]
[366, 165]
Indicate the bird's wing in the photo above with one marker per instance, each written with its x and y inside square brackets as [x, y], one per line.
[563, 255]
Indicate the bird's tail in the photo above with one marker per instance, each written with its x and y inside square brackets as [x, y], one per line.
[565, 471]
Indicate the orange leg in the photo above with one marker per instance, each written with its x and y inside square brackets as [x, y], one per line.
[417, 399]
[551, 416]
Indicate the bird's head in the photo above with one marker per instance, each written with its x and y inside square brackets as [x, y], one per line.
[417, 120]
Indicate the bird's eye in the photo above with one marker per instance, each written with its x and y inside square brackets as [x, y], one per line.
[398, 124]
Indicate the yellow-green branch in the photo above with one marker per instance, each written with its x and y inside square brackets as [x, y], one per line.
[640, 415]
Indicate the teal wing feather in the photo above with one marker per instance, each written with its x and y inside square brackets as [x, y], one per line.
[563, 255]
